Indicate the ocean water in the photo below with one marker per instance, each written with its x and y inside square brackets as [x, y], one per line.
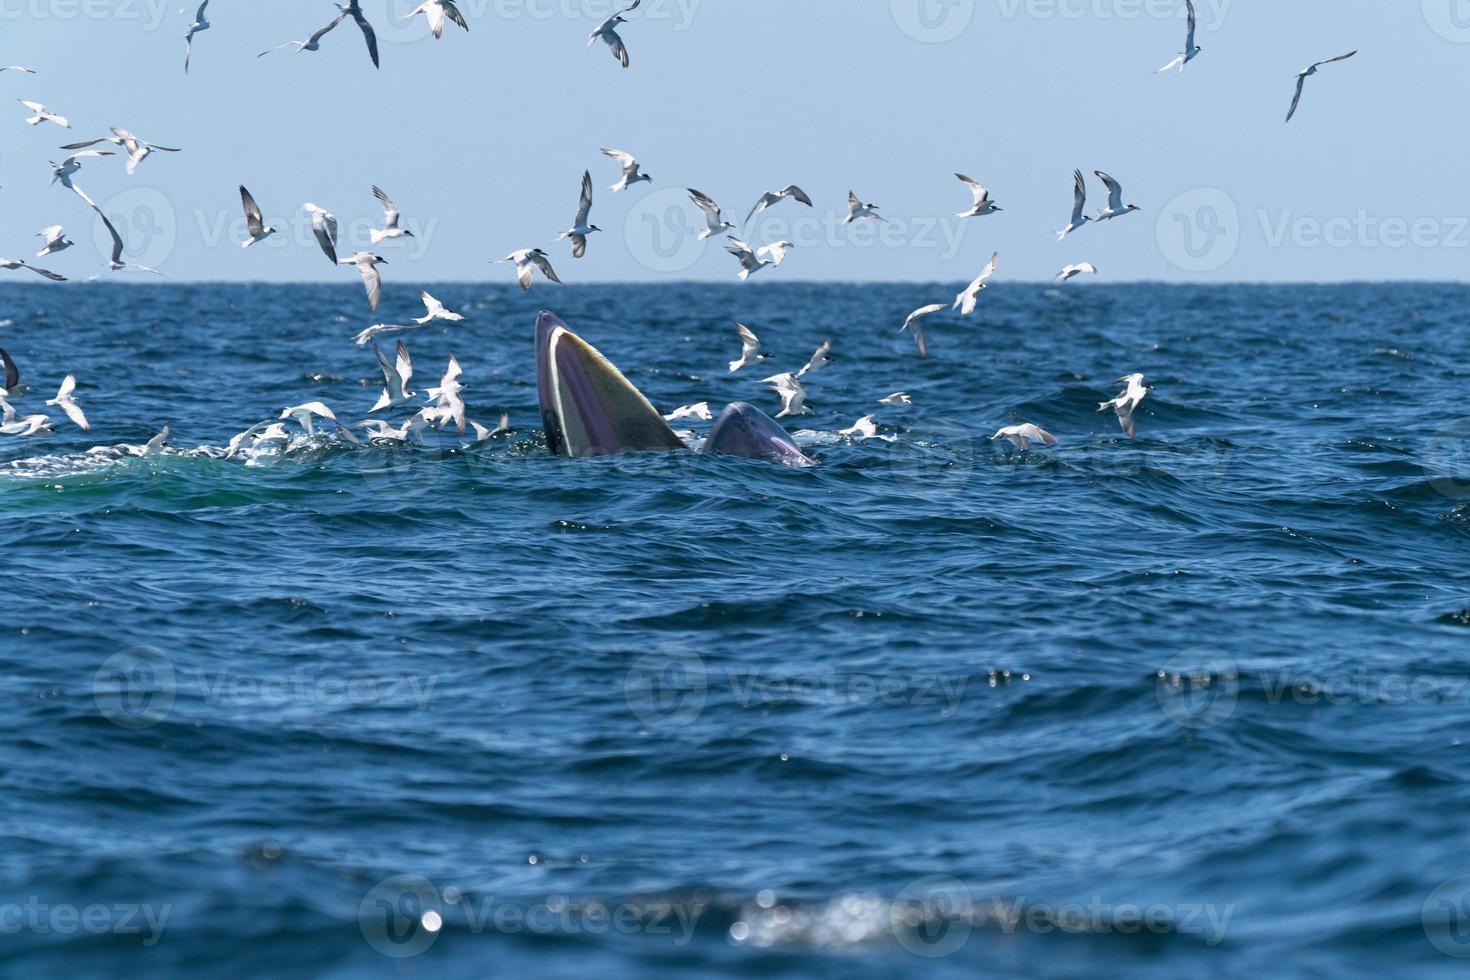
[1189, 704]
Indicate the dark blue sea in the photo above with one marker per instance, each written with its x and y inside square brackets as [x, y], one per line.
[1192, 704]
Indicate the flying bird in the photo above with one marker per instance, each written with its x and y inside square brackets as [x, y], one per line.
[437, 11]
[631, 172]
[965, 301]
[40, 114]
[13, 264]
[750, 348]
[580, 227]
[1191, 50]
[367, 266]
[1115, 207]
[31, 425]
[713, 217]
[390, 227]
[527, 260]
[793, 395]
[898, 398]
[64, 401]
[698, 411]
[397, 376]
[819, 359]
[863, 428]
[28, 71]
[983, 204]
[856, 210]
[912, 324]
[55, 241]
[255, 224]
[324, 228]
[115, 263]
[435, 310]
[1303, 75]
[138, 150]
[313, 43]
[607, 33]
[1127, 401]
[771, 198]
[754, 260]
[1079, 202]
[304, 414]
[200, 24]
[1073, 271]
[1022, 436]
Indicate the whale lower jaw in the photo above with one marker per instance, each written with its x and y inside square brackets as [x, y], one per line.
[588, 408]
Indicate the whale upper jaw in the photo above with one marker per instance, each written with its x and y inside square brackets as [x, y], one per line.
[589, 409]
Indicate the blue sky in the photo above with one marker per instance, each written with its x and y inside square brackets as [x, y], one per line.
[482, 137]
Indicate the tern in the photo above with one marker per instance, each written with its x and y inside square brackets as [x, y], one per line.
[31, 425]
[754, 260]
[353, 9]
[1079, 201]
[793, 395]
[863, 428]
[912, 324]
[257, 435]
[608, 34]
[367, 266]
[448, 407]
[580, 227]
[397, 376]
[115, 263]
[64, 170]
[856, 210]
[898, 398]
[435, 310]
[154, 446]
[1127, 401]
[138, 150]
[302, 415]
[1073, 271]
[1301, 79]
[13, 264]
[772, 198]
[983, 204]
[965, 301]
[313, 43]
[1191, 50]
[200, 24]
[255, 224]
[55, 241]
[437, 11]
[64, 401]
[631, 172]
[713, 217]
[390, 227]
[40, 114]
[483, 434]
[1022, 436]
[699, 411]
[1115, 207]
[28, 71]
[750, 348]
[378, 430]
[819, 360]
[324, 227]
[527, 260]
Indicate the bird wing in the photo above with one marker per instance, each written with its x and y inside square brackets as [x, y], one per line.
[1189, 42]
[626, 159]
[316, 38]
[74, 412]
[980, 192]
[372, 280]
[797, 194]
[12, 373]
[368, 34]
[706, 204]
[749, 342]
[253, 219]
[1115, 190]
[452, 12]
[432, 305]
[615, 42]
[403, 366]
[584, 205]
[1301, 81]
[819, 358]
[544, 264]
[435, 14]
[54, 277]
[1341, 57]
[852, 201]
[83, 145]
[117, 242]
[1079, 196]
[390, 210]
[324, 227]
[579, 245]
[68, 385]
[766, 201]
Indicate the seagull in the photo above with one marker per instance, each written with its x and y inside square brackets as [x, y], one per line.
[13, 264]
[138, 150]
[527, 260]
[772, 198]
[63, 401]
[607, 33]
[254, 223]
[41, 114]
[912, 323]
[313, 43]
[698, 411]
[303, 415]
[28, 71]
[1115, 207]
[751, 260]
[580, 228]
[397, 376]
[55, 241]
[372, 280]
[965, 301]
[750, 348]
[898, 398]
[324, 227]
[1079, 201]
[1073, 271]
[983, 204]
[857, 209]
[819, 359]
[631, 174]
[29, 426]
[1301, 79]
[436, 11]
[116, 263]
[63, 171]
[1022, 436]
[713, 219]
[863, 428]
[200, 24]
[353, 9]
[436, 311]
[1191, 50]
[390, 227]
[793, 395]
[1127, 401]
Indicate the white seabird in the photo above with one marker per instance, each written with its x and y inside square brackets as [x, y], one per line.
[1116, 207]
[390, 227]
[115, 263]
[1191, 50]
[436, 310]
[608, 34]
[1307, 72]
[13, 264]
[1079, 202]
[1022, 436]
[527, 260]
[983, 205]
[437, 11]
[324, 228]
[912, 324]
[863, 428]
[397, 376]
[631, 172]
[137, 149]
[699, 410]
[581, 226]
[200, 24]
[64, 401]
[965, 301]
[1073, 271]
[713, 217]
[819, 359]
[1127, 401]
[898, 398]
[40, 114]
[312, 43]
[771, 198]
[857, 210]
[793, 395]
[255, 224]
[367, 266]
[64, 170]
[750, 348]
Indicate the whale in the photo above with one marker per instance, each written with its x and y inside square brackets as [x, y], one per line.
[589, 408]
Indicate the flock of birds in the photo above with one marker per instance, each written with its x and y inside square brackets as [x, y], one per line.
[444, 406]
